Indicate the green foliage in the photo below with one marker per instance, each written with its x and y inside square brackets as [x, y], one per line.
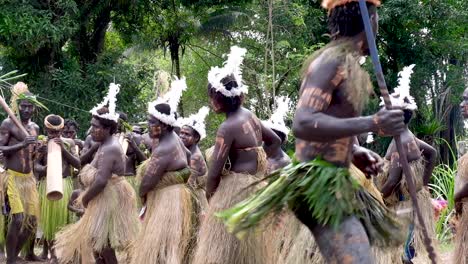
[442, 187]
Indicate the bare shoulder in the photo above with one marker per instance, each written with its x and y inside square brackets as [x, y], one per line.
[7, 123]
[113, 147]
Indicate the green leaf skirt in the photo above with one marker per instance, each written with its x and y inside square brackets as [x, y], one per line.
[330, 193]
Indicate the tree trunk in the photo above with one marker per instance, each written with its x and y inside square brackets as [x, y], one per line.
[174, 47]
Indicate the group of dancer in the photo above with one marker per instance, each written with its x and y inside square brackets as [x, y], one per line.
[137, 198]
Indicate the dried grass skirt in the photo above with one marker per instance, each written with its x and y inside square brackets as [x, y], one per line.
[216, 245]
[109, 221]
[168, 223]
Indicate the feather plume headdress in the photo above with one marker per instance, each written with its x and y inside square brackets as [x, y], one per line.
[110, 99]
[232, 66]
[330, 4]
[172, 98]
[276, 121]
[401, 95]
[197, 121]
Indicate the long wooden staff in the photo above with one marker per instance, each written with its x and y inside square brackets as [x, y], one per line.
[386, 97]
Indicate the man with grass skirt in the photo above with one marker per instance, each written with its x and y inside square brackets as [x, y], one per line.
[461, 198]
[54, 214]
[343, 217]
[21, 201]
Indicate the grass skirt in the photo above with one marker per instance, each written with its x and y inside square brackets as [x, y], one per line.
[461, 239]
[405, 211]
[110, 220]
[299, 246]
[215, 244]
[417, 167]
[54, 214]
[305, 182]
[22, 195]
[167, 224]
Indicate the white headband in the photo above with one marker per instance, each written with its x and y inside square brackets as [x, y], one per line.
[232, 66]
[197, 121]
[110, 99]
[172, 98]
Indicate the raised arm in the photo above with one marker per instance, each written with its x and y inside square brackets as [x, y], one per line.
[220, 154]
[156, 168]
[134, 144]
[69, 156]
[311, 123]
[430, 155]
[88, 151]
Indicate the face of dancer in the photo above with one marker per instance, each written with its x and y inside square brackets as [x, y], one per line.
[69, 132]
[51, 133]
[464, 105]
[98, 132]
[216, 106]
[155, 127]
[26, 110]
[188, 136]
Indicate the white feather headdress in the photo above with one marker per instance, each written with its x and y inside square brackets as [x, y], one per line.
[110, 99]
[401, 95]
[197, 121]
[172, 98]
[276, 121]
[231, 66]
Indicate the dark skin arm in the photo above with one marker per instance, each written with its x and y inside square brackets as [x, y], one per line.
[367, 161]
[156, 168]
[197, 167]
[272, 143]
[39, 168]
[69, 157]
[5, 138]
[140, 156]
[311, 123]
[220, 155]
[106, 160]
[71, 202]
[394, 175]
[430, 155]
[88, 151]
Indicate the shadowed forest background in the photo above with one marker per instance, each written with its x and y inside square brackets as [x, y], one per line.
[72, 49]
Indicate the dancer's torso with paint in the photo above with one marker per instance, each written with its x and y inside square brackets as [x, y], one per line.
[334, 84]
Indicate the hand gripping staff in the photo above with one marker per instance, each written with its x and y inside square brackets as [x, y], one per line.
[386, 97]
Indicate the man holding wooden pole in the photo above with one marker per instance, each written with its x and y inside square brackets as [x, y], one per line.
[17, 141]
